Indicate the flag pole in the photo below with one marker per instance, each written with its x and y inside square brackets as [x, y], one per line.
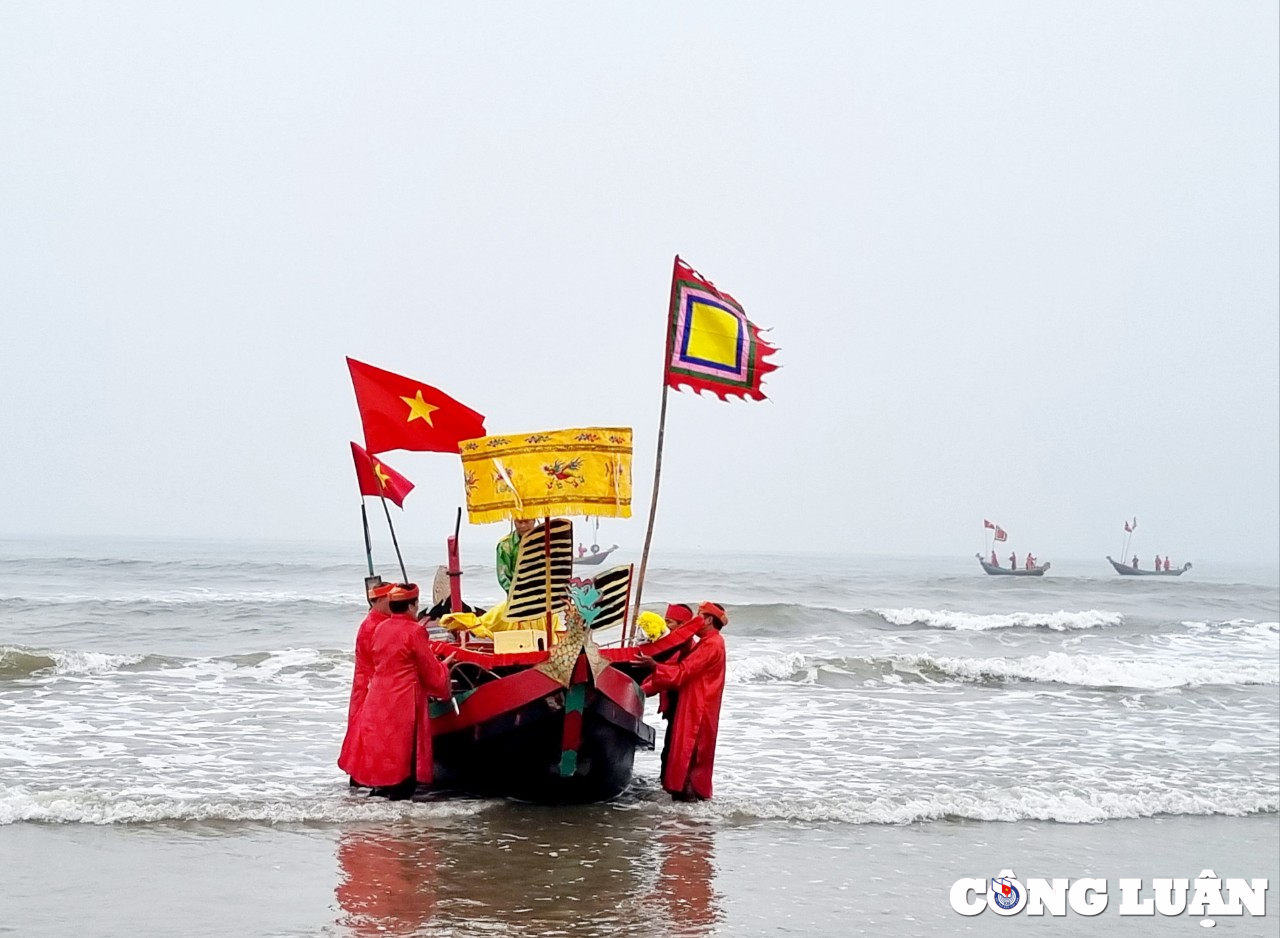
[368, 544]
[394, 542]
[657, 462]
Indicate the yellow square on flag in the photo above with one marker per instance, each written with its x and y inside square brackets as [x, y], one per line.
[713, 335]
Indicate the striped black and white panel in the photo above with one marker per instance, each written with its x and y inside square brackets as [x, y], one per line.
[527, 598]
[614, 587]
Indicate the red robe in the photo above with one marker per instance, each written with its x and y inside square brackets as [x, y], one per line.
[393, 740]
[359, 684]
[699, 681]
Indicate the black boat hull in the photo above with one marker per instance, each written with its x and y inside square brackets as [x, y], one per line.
[1125, 569]
[518, 754]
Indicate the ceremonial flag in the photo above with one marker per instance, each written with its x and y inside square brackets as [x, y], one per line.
[711, 344]
[988, 525]
[584, 471]
[1127, 529]
[401, 413]
[377, 478]
[1000, 534]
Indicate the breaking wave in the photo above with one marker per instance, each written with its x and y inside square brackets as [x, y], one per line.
[1097, 671]
[97, 807]
[1018, 804]
[18, 662]
[1060, 621]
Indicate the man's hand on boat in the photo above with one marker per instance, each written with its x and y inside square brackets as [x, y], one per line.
[447, 662]
[645, 661]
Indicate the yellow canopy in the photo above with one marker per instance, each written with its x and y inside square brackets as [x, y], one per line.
[586, 471]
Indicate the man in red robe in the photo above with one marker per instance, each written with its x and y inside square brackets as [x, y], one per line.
[676, 616]
[378, 597]
[698, 679]
[392, 751]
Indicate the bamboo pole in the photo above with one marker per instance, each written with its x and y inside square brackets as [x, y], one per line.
[657, 462]
[368, 544]
[395, 543]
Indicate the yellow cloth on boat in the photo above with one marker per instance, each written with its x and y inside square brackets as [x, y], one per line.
[494, 620]
[584, 471]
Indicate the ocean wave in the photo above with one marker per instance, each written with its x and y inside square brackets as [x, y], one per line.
[1060, 621]
[1097, 671]
[100, 807]
[18, 662]
[186, 597]
[1019, 804]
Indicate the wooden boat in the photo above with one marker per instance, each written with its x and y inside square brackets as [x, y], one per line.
[595, 558]
[540, 712]
[514, 730]
[1125, 569]
[1007, 571]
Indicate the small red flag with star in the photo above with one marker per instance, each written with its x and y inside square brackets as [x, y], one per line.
[377, 478]
[401, 413]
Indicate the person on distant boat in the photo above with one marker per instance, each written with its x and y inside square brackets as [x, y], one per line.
[1157, 567]
[392, 751]
[582, 549]
[1135, 561]
[1013, 561]
[995, 561]
[1031, 562]
[377, 595]
[508, 550]
[698, 679]
[1166, 563]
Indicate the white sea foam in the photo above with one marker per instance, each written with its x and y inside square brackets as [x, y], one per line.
[99, 807]
[1019, 804]
[1054, 668]
[787, 666]
[194, 596]
[1060, 621]
[1100, 670]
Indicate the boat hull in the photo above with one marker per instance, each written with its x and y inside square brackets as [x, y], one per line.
[593, 560]
[1004, 571]
[528, 738]
[1125, 569]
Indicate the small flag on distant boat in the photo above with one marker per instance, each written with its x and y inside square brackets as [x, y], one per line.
[402, 413]
[1000, 534]
[711, 344]
[988, 525]
[377, 478]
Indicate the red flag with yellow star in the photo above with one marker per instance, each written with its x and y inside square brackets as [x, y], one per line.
[401, 413]
[377, 478]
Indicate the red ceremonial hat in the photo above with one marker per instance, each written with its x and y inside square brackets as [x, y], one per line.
[716, 610]
[678, 612]
[381, 590]
[403, 592]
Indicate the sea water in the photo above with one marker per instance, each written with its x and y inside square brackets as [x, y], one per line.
[170, 713]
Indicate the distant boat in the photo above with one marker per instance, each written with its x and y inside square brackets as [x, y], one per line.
[992, 570]
[1126, 569]
[595, 557]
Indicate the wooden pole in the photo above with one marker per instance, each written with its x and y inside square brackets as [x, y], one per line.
[368, 544]
[629, 635]
[394, 542]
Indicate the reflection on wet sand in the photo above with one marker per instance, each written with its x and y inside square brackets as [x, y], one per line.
[523, 870]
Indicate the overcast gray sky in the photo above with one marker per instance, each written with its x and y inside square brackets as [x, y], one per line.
[1020, 260]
